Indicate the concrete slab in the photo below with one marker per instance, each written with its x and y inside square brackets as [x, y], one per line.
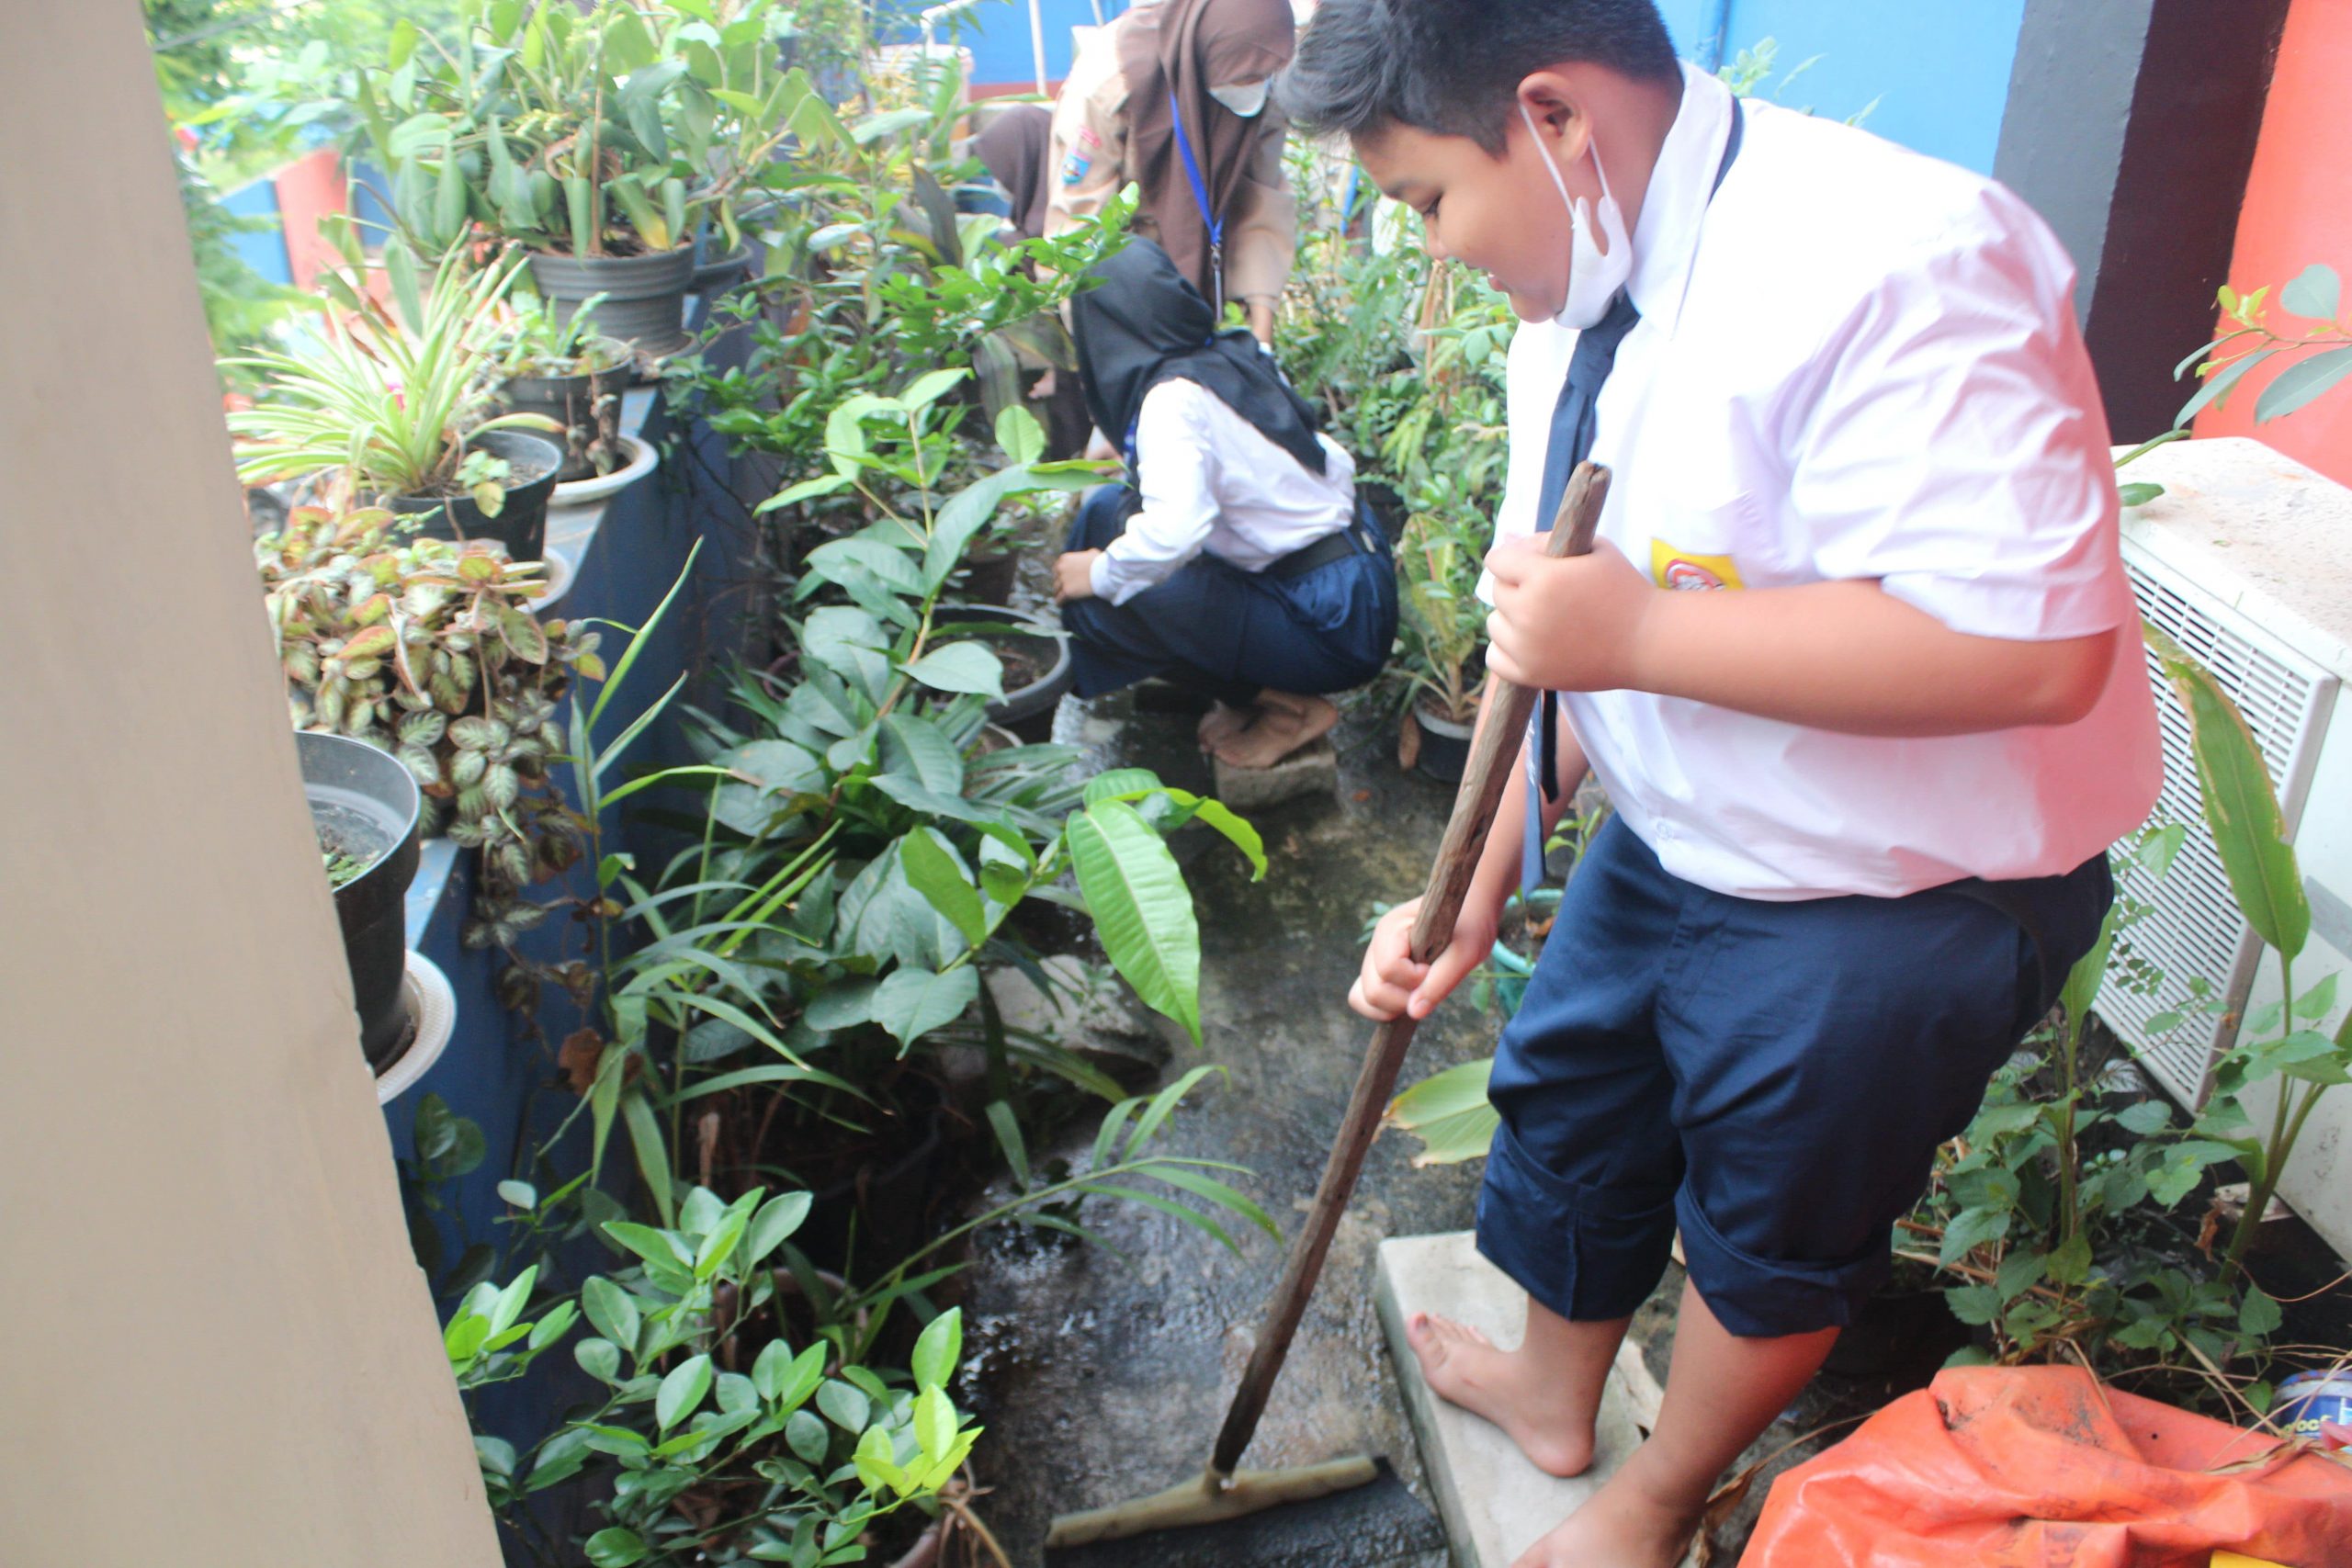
[1311, 770]
[1494, 1504]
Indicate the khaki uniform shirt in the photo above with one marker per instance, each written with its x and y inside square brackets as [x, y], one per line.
[1089, 163]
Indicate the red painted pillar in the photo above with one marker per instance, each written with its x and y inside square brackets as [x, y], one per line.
[2296, 213]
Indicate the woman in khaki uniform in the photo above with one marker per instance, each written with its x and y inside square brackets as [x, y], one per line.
[1169, 76]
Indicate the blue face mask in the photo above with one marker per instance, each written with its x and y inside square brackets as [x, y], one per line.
[1594, 276]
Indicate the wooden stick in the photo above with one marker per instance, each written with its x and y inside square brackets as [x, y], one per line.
[1509, 705]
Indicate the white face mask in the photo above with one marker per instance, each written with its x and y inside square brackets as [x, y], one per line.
[1246, 99]
[1593, 278]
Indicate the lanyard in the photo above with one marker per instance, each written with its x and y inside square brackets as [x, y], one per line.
[1215, 224]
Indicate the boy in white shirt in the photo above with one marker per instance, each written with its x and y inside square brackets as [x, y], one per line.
[1855, 657]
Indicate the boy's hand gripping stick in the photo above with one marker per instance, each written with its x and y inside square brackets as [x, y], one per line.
[1508, 707]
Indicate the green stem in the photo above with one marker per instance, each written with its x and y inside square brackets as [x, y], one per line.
[2274, 1151]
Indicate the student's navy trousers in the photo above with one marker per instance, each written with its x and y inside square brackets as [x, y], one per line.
[1230, 633]
[1773, 1079]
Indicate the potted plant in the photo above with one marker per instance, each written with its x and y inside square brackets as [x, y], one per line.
[365, 807]
[599, 139]
[1441, 628]
[405, 411]
[572, 375]
[424, 651]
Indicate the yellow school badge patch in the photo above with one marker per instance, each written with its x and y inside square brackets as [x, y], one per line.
[1672, 567]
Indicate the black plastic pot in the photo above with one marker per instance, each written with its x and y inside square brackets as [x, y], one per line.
[573, 402]
[522, 523]
[645, 296]
[887, 1202]
[987, 580]
[1445, 746]
[364, 803]
[1027, 711]
[717, 274]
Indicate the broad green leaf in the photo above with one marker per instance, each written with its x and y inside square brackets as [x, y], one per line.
[615, 1548]
[1022, 438]
[611, 1310]
[600, 1359]
[1121, 784]
[913, 1002]
[935, 873]
[1143, 912]
[935, 1422]
[1974, 1304]
[2300, 383]
[964, 667]
[930, 386]
[807, 1434]
[938, 1349]
[2138, 494]
[913, 744]
[2241, 806]
[2217, 386]
[2315, 292]
[1450, 1113]
[1007, 1128]
[681, 1391]
[1163, 1105]
[2259, 1315]
[778, 1218]
[843, 1404]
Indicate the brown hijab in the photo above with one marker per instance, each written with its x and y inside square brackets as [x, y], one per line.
[1015, 148]
[1184, 47]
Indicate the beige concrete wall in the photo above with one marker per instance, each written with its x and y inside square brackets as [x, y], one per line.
[214, 1348]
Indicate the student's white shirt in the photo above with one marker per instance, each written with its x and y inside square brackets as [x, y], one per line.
[1857, 363]
[1211, 480]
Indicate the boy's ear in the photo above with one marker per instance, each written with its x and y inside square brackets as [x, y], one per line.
[1551, 100]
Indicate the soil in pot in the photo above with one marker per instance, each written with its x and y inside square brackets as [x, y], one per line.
[521, 522]
[363, 808]
[1036, 668]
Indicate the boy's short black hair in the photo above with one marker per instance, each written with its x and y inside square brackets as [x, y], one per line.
[1452, 66]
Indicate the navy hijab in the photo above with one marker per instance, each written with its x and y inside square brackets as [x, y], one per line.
[1144, 324]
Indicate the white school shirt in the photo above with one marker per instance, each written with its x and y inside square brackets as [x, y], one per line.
[1211, 480]
[1856, 361]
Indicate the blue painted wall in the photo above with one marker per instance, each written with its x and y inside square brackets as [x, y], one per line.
[264, 250]
[1939, 69]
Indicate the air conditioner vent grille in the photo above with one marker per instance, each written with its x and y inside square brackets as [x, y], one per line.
[2190, 925]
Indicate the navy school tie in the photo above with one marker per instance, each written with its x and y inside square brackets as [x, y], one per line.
[1573, 427]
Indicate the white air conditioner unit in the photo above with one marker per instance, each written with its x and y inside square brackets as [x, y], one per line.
[2247, 561]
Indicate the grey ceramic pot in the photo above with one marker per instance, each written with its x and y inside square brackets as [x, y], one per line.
[645, 296]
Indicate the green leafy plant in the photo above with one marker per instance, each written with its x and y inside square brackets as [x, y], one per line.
[608, 132]
[745, 1413]
[2322, 354]
[530, 340]
[427, 650]
[2284, 1043]
[395, 406]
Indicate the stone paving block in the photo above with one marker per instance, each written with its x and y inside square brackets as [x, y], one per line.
[1311, 770]
[1495, 1502]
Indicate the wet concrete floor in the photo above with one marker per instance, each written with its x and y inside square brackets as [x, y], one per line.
[1100, 1377]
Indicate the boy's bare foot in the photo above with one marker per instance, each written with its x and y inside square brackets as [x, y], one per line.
[1284, 724]
[1464, 1368]
[1221, 723]
[1624, 1525]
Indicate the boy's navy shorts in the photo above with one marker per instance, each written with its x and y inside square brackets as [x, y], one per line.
[1771, 1078]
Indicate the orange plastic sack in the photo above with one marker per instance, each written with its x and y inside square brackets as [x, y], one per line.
[2043, 1467]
